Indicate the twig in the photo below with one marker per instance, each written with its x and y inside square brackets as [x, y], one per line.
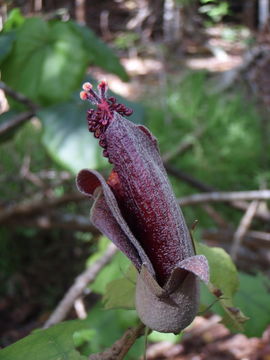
[218, 219]
[253, 239]
[55, 221]
[184, 145]
[26, 173]
[15, 122]
[18, 96]
[39, 203]
[243, 228]
[241, 205]
[225, 197]
[182, 175]
[75, 291]
[120, 348]
[252, 255]
[261, 213]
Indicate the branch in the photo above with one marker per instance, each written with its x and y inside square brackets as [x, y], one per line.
[18, 96]
[188, 178]
[243, 228]
[241, 205]
[15, 122]
[55, 221]
[120, 348]
[252, 238]
[252, 255]
[75, 291]
[39, 203]
[217, 218]
[225, 197]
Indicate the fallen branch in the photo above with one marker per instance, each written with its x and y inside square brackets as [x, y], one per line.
[243, 228]
[121, 347]
[76, 290]
[225, 197]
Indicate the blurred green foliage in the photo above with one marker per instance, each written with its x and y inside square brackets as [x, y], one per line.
[47, 61]
[229, 153]
[214, 9]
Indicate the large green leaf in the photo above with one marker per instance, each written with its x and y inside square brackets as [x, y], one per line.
[55, 343]
[47, 62]
[253, 298]
[120, 293]
[223, 285]
[223, 273]
[6, 43]
[66, 136]
[101, 55]
[107, 327]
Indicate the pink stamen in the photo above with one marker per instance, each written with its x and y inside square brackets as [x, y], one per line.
[100, 119]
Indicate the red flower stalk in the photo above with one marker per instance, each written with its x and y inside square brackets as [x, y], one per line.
[137, 210]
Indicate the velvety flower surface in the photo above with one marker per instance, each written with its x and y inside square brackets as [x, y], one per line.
[137, 210]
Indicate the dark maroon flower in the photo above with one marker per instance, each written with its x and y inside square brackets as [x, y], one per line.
[137, 210]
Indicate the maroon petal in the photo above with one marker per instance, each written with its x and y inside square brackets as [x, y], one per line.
[113, 223]
[151, 210]
[102, 218]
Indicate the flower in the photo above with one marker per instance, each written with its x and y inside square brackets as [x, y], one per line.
[137, 210]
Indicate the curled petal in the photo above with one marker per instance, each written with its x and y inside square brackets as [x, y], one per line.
[197, 264]
[166, 312]
[88, 182]
[102, 218]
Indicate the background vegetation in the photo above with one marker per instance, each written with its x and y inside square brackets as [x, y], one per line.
[199, 81]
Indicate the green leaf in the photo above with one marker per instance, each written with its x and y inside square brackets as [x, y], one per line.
[108, 327]
[223, 273]
[55, 343]
[47, 62]
[253, 298]
[15, 19]
[102, 245]
[223, 285]
[101, 54]
[6, 43]
[115, 269]
[120, 293]
[67, 139]
[66, 136]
